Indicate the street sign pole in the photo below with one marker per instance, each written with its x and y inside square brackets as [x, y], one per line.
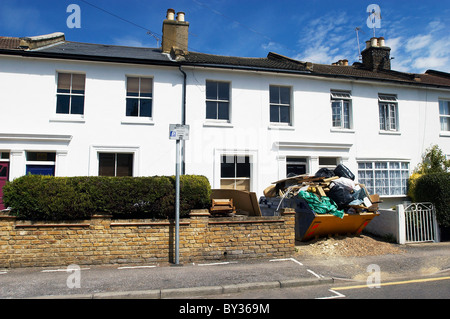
[178, 132]
[177, 205]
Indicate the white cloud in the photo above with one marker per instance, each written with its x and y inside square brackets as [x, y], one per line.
[418, 42]
[431, 62]
[327, 39]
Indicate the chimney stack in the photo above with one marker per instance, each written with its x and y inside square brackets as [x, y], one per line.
[376, 55]
[175, 32]
[36, 42]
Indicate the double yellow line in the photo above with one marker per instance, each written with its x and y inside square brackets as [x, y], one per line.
[393, 283]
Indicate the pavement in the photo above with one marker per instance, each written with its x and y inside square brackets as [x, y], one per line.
[166, 281]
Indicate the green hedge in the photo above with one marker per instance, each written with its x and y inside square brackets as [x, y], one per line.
[35, 197]
[435, 188]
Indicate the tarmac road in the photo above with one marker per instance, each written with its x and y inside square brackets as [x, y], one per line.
[224, 278]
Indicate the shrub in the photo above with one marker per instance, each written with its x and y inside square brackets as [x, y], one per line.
[412, 180]
[435, 188]
[36, 197]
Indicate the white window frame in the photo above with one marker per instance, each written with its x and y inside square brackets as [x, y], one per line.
[342, 97]
[444, 116]
[297, 160]
[387, 173]
[253, 154]
[94, 158]
[70, 94]
[388, 113]
[282, 104]
[216, 120]
[139, 97]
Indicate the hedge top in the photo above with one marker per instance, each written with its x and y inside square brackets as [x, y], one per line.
[35, 197]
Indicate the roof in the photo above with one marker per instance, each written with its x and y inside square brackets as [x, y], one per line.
[272, 63]
[68, 48]
[9, 43]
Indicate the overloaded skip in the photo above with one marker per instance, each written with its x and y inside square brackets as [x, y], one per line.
[330, 202]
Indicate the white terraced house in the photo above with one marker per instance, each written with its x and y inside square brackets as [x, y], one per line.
[82, 109]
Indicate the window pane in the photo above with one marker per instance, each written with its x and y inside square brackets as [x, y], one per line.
[284, 114]
[394, 165]
[64, 82]
[242, 184]
[3, 171]
[211, 90]
[41, 156]
[227, 167]
[223, 111]
[336, 113]
[78, 83]
[392, 117]
[381, 165]
[227, 184]
[443, 108]
[382, 117]
[211, 110]
[274, 94]
[146, 87]
[77, 106]
[106, 164]
[4, 155]
[346, 112]
[62, 104]
[285, 95]
[274, 113]
[242, 166]
[328, 161]
[224, 91]
[146, 108]
[132, 107]
[445, 123]
[132, 86]
[296, 169]
[124, 165]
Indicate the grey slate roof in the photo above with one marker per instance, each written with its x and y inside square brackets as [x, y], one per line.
[272, 63]
[68, 48]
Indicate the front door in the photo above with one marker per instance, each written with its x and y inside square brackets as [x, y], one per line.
[4, 172]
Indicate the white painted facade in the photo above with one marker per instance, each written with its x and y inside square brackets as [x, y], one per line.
[28, 121]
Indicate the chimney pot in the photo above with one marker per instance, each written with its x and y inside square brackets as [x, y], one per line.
[170, 14]
[180, 16]
[374, 42]
[381, 42]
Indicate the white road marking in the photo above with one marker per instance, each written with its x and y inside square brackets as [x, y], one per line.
[337, 295]
[62, 270]
[288, 259]
[216, 264]
[136, 267]
[312, 272]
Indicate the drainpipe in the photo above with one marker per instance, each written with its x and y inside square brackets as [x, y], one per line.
[183, 122]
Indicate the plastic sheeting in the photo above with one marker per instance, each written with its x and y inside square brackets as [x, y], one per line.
[321, 206]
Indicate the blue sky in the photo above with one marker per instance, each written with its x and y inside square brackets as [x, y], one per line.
[319, 31]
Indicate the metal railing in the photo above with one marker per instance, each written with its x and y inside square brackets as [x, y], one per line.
[420, 222]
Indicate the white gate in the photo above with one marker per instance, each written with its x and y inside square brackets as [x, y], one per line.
[420, 222]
